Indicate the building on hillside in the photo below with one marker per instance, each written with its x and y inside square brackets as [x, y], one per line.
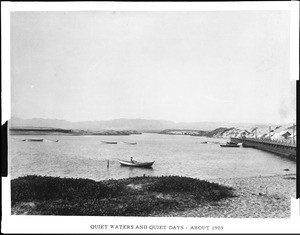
[277, 137]
[262, 136]
[285, 134]
[292, 138]
[244, 133]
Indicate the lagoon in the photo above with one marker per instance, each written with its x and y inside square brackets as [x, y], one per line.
[183, 155]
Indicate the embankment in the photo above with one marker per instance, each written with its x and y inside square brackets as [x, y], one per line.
[282, 149]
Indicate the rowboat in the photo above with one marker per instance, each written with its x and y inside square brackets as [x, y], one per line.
[39, 140]
[33, 140]
[135, 163]
[131, 143]
[230, 144]
[45, 140]
[109, 142]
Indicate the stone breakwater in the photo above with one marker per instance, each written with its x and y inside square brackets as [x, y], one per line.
[287, 150]
[255, 197]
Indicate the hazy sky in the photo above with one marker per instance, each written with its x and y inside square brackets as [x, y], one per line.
[179, 66]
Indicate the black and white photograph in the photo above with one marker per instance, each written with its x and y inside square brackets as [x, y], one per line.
[165, 119]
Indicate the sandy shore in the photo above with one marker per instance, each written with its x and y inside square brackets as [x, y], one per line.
[255, 197]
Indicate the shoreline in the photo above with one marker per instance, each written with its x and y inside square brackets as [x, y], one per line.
[253, 197]
[256, 197]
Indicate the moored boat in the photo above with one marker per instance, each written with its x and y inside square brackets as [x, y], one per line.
[109, 142]
[230, 144]
[45, 140]
[33, 140]
[135, 163]
[39, 140]
[130, 143]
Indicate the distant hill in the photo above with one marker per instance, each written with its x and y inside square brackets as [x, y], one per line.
[126, 124]
[116, 124]
[286, 132]
[59, 131]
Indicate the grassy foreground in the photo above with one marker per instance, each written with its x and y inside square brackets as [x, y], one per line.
[138, 196]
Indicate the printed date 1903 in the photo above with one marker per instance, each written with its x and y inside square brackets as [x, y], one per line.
[217, 227]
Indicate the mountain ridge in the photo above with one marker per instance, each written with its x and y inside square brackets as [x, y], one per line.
[127, 124]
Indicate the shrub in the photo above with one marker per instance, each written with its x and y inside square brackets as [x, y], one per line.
[30, 188]
[67, 196]
[199, 188]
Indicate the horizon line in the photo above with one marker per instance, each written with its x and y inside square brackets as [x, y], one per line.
[227, 122]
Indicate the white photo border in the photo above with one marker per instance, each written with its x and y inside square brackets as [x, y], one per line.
[84, 224]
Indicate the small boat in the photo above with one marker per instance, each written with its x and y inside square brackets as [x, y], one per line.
[131, 143]
[204, 142]
[33, 140]
[135, 163]
[45, 140]
[39, 140]
[230, 144]
[109, 142]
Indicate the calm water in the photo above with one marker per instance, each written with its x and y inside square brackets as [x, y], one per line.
[86, 157]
